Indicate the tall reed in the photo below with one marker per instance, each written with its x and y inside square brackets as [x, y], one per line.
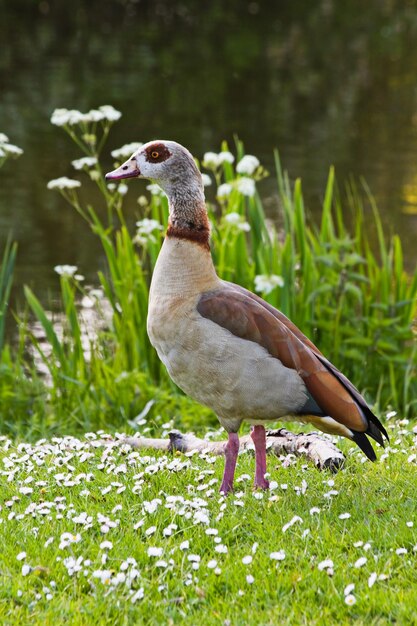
[6, 279]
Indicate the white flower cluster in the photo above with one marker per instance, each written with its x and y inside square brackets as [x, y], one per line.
[71, 117]
[8, 149]
[246, 186]
[238, 221]
[63, 183]
[206, 180]
[155, 189]
[122, 189]
[146, 229]
[126, 151]
[87, 162]
[213, 160]
[265, 284]
[66, 270]
[248, 165]
[224, 190]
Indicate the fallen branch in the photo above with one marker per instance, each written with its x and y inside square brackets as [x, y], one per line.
[323, 453]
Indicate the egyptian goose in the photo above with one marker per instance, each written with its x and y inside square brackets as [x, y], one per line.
[225, 346]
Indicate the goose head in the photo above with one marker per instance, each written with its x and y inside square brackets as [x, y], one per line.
[167, 163]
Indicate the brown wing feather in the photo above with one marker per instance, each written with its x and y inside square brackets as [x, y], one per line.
[375, 427]
[279, 316]
[246, 318]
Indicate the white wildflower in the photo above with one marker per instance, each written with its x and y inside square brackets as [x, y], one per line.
[106, 545]
[145, 231]
[26, 569]
[63, 183]
[153, 551]
[67, 539]
[206, 180]
[246, 186]
[122, 189]
[293, 521]
[250, 579]
[247, 559]
[201, 517]
[21, 556]
[211, 160]
[238, 221]
[344, 516]
[185, 545]
[82, 518]
[348, 589]
[79, 164]
[62, 117]
[155, 189]
[11, 149]
[110, 113]
[326, 564]
[277, 556]
[126, 151]
[147, 226]
[221, 548]
[224, 190]
[138, 595]
[372, 579]
[104, 575]
[65, 270]
[247, 165]
[194, 558]
[265, 283]
[3, 138]
[73, 565]
[361, 562]
[409, 524]
[401, 551]
[150, 531]
[314, 510]
[226, 157]
[350, 600]
[212, 564]
[93, 115]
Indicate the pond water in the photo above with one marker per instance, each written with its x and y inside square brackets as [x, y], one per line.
[326, 83]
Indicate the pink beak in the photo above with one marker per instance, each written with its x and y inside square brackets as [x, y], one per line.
[129, 169]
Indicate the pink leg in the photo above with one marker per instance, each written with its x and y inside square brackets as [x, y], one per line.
[231, 451]
[259, 439]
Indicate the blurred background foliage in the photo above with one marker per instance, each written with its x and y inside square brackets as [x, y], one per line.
[325, 83]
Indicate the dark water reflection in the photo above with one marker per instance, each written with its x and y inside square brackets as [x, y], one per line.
[325, 82]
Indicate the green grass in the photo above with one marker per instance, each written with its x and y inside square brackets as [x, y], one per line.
[69, 477]
[351, 296]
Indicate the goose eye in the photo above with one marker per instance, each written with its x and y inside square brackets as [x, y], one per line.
[154, 154]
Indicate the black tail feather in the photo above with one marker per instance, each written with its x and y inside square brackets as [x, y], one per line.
[363, 442]
[375, 428]
[375, 432]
